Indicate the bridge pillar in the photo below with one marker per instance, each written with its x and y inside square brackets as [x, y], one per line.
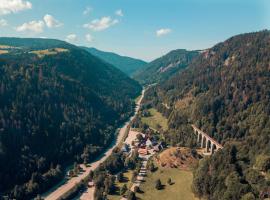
[206, 146]
[212, 148]
[201, 136]
[198, 136]
[202, 142]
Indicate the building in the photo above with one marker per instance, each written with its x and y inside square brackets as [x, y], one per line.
[149, 144]
[91, 184]
[158, 147]
[143, 151]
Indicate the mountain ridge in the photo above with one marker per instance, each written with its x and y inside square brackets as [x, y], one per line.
[165, 66]
[126, 64]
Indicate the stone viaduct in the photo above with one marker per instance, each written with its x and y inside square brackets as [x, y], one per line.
[210, 144]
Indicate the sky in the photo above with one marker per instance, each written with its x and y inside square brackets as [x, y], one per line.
[145, 29]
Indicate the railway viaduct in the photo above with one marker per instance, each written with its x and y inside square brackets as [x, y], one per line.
[209, 144]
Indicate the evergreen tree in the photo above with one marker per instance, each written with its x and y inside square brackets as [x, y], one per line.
[123, 189]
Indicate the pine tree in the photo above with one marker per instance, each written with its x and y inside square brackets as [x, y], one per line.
[123, 189]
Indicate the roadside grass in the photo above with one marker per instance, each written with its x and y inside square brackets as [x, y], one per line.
[137, 98]
[180, 188]
[127, 180]
[155, 120]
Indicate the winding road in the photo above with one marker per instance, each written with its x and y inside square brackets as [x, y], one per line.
[71, 183]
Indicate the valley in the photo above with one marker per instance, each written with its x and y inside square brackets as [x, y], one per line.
[189, 125]
[153, 160]
[73, 181]
[206, 98]
[77, 118]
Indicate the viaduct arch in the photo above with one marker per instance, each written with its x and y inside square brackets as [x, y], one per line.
[209, 144]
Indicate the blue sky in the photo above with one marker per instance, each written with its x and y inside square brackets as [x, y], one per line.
[143, 29]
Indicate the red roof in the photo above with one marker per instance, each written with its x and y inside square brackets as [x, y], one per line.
[142, 151]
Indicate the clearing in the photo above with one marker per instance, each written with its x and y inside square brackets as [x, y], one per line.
[3, 51]
[177, 157]
[155, 120]
[54, 51]
[180, 189]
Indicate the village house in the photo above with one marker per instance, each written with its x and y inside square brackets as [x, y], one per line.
[91, 184]
[158, 147]
[143, 151]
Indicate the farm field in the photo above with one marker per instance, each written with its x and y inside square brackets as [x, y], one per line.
[155, 120]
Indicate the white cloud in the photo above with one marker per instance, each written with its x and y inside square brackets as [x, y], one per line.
[89, 38]
[119, 13]
[87, 10]
[33, 26]
[71, 38]
[3, 22]
[163, 31]
[101, 24]
[13, 6]
[51, 22]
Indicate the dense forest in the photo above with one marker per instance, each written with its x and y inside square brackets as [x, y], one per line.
[125, 64]
[226, 92]
[164, 67]
[58, 104]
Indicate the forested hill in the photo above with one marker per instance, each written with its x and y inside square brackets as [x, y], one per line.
[58, 104]
[164, 67]
[125, 64]
[33, 43]
[225, 92]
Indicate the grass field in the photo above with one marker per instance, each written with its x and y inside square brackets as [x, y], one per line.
[155, 120]
[127, 177]
[41, 53]
[3, 51]
[179, 190]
